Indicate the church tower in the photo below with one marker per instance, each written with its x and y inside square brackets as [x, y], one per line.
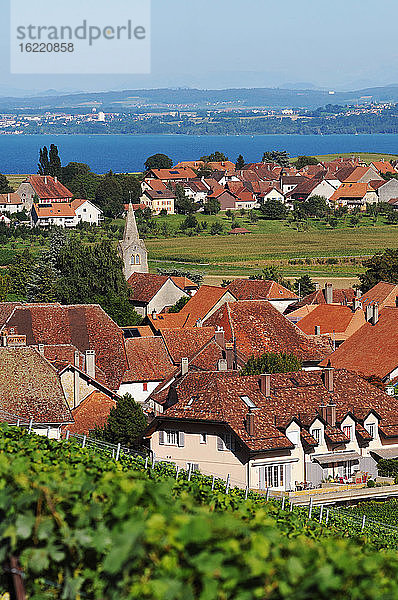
[132, 249]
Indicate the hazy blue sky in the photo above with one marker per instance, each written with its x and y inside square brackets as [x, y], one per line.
[343, 44]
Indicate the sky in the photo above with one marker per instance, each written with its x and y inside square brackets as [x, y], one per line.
[341, 45]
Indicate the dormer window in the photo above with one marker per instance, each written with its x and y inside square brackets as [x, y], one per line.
[347, 430]
[317, 434]
[371, 429]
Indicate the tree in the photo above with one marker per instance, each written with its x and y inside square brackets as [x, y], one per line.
[304, 285]
[303, 161]
[183, 204]
[179, 305]
[158, 161]
[273, 209]
[381, 267]
[211, 206]
[392, 218]
[42, 285]
[272, 362]
[80, 180]
[215, 157]
[44, 162]
[125, 425]
[190, 222]
[20, 272]
[281, 157]
[94, 275]
[240, 163]
[109, 196]
[5, 187]
[315, 206]
[216, 228]
[55, 169]
[195, 276]
[4, 285]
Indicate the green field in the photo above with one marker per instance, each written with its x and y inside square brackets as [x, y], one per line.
[367, 157]
[16, 180]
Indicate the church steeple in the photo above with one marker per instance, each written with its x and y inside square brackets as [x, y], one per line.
[132, 249]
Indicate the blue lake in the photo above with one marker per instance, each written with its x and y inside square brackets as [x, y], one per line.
[127, 153]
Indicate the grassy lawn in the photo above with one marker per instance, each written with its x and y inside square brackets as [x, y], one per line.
[367, 157]
[16, 180]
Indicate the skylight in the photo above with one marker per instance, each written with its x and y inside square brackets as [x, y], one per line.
[249, 403]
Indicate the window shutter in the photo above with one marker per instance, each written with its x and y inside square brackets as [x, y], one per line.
[220, 444]
[181, 439]
[161, 438]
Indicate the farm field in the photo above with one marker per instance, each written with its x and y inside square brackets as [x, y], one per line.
[367, 157]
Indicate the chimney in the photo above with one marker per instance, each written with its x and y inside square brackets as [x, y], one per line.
[9, 197]
[154, 314]
[229, 353]
[90, 363]
[4, 339]
[317, 330]
[77, 359]
[222, 365]
[198, 323]
[184, 366]
[328, 379]
[329, 293]
[56, 179]
[265, 384]
[219, 336]
[369, 312]
[45, 180]
[328, 413]
[357, 293]
[375, 314]
[40, 348]
[396, 302]
[317, 286]
[250, 423]
[357, 303]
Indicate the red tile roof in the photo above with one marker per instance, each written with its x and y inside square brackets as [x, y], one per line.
[384, 293]
[184, 282]
[92, 412]
[30, 387]
[318, 297]
[373, 349]
[174, 174]
[217, 397]
[148, 360]
[257, 289]
[50, 190]
[258, 328]
[183, 343]
[11, 199]
[357, 174]
[87, 327]
[144, 286]
[57, 209]
[351, 190]
[238, 231]
[6, 309]
[330, 318]
[383, 166]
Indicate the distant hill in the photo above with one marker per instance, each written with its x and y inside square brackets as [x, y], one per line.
[253, 97]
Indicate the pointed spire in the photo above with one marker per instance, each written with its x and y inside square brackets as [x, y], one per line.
[130, 229]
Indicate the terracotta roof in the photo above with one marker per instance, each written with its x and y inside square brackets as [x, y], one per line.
[174, 173]
[318, 297]
[383, 166]
[12, 198]
[384, 293]
[343, 172]
[258, 328]
[350, 190]
[87, 327]
[332, 318]
[148, 360]
[92, 412]
[57, 209]
[6, 310]
[196, 308]
[217, 397]
[144, 286]
[155, 184]
[183, 343]
[184, 282]
[238, 231]
[159, 194]
[257, 289]
[377, 183]
[30, 387]
[62, 355]
[357, 174]
[50, 190]
[373, 349]
[207, 358]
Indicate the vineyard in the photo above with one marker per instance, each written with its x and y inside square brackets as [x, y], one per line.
[84, 525]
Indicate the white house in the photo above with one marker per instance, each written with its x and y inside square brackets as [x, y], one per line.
[87, 212]
[10, 203]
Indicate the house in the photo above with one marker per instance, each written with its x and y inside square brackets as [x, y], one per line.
[334, 321]
[175, 174]
[289, 182]
[387, 190]
[91, 413]
[255, 327]
[227, 200]
[259, 289]
[131, 248]
[44, 189]
[265, 192]
[30, 389]
[158, 200]
[275, 431]
[87, 212]
[190, 287]
[373, 349]
[383, 167]
[199, 308]
[10, 203]
[363, 174]
[354, 195]
[308, 188]
[224, 165]
[383, 294]
[84, 328]
[238, 231]
[151, 294]
[327, 295]
[59, 214]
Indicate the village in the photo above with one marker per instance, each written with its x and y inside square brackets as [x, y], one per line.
[199, 372]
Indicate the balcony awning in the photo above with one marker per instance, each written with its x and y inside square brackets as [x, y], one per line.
[386, 452]
[335, 457]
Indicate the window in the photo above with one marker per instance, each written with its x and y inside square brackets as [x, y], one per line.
[347, 430]
[317, 434]
[226, 442]
[294, 437]
[192, 466]
[203, 438]
[272, 476]
[371, 429]
[135, 259]
[249, 403]
[171, 438]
